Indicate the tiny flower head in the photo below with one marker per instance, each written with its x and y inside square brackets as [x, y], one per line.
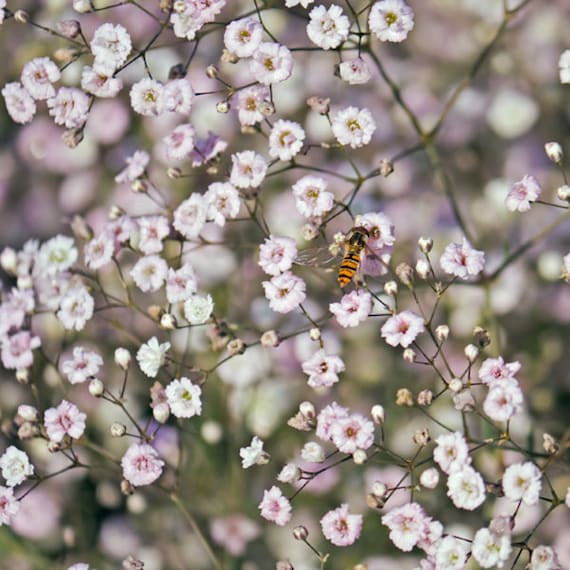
[141, 464]
[340, 527]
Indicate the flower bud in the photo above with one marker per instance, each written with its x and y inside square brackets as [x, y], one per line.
[27, 413]
[82, 6]
[81, 229]
[161, 412]
[21, 16]
[422, 437]
[116, 212]
[117, 429]
[270, 339]
[23, 375]
[96, 388]
[315, 334]
[360, 457]
[123, 358]
[68, 28]
[425, 398]
[563, 193]
[386, 168]
[320, 105]
[179, 6]
[223, 107]
[227, 57]
[404, 397]
[236, 346]
[377, 414]
[554, 152]
[72, 137]
[177, 71]
[307, 409]
[173, 173]
[429, 478]
[456, 385]
[549, 443]
[212, 71]
[464, 401]
[25, 282]
[379, 489]
[391, 288]
[409, 355]
[139, 186]
[131, 563]
[425, 244]
[310, 232]
[211, 432]
[374, 502]
[471, 352]
[168, 322]
[442, 332]
[300, 532]
[9, 260]
[481, 337]
[54, 446]
[313, 452]
[126, 488]
[422, 269]
[405, 274]
[266, 108]
[28, 431]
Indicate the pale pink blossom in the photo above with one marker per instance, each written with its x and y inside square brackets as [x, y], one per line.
[136, 165]
[141, 464]
[451, 452]
[504, 400]
[313, 452]
[180, 283]
[277, 254]
[522, 194]
[353, 127]
[489, 549]
[323, 369]
[496, 369]
[249, 104]
[76, 307]
[352, 433]
[223, 202]
[84, 365]
[99, 84]
[149, 273]
[340, 527]
[64, 420]
[462, 260]
[98, 251]
[180, 142]
[544, 557]
[328, 417]
[285, 292]
[177, 96]
[184, 398]
[146, 97]
[466, 488]
[69, 107]
[243, 37]
[391, 20]
[152, 230]
[451, 554]
[233, 532]
[354, 71]
[402, 329]
[380, 229]
[522, 482]
[328, 28]
[111, 45]
[353, 308]
[19, 103]
[193, 14]
[286, 139]
[407, 524]
[271, 63]
[38, 75]
[248, 169]
[311, 196]
[16, 350]
[9, 506]
[275, 507]
[190, 216]
[56, 255]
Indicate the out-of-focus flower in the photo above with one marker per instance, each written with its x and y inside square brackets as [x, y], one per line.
[19, 103]
[564, 67]
[9, 506]
[180, 142]
[16, 350]
[233, 532]
[135, 168]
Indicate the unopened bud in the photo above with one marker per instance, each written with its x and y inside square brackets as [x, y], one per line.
[481, 337]
[266, 108]
[161, 412]
[68, 28]
[391, 288]
[313, 452]
[315, 334]
[270, 339]
[471, 352]
[81, 229]
[25, 282]
[212, 71]
[126, 488]
[9, 260]
[228, 57]
[168, 322]
[23, 375]
[549, 443]
[442, 332]
[123, 358]
[422, 269]
[96, 388]
[554, 152]
[54, 446]
[425, 244]
[179, 6]
[28, 430]
[139, 186]
[236, 346]
[72, 137]
[360, 457]
[284, 565]
[27, 413]
[386, 168]
[405, 274]
[222, 107]
[65, 56]
[69, 536]
[377, 413]
[173, 173]
[425, 398]
[429, 478]
[374, 502]
[301, 533]
[563, 193]
[409, 355]
[82, 6]
[422, 437]
[21, 16]
[116, 212]
[404, 398]
[310, 232]
[307, 409]
[211, 432]
[117, 429]
[154, 312]
[320, 105]
[456, 385]
[502, 525]
[379, 489]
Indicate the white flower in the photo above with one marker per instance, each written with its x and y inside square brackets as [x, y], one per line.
[38, 76]
[286, 139]
[522, 481]
[95, 82]
[69, 107]
[328, 28]
[253, 454]
[146, 97]
[391, 20]
[177, 96]
[198, 309]
[149, 273]
[180, 142]
[489, 549]
[223, 202]
[451, 554]
[248, 169]
[544, 558]
[243, 37]
[190, 216]
[151, 356]
[451, 452]
[271, 63]
[76, 308]
[56, 255]
[16, 466]
[564, 67]
[184, 398]
[312, 197]
[111, 45]
[353, 126]
[19, 103]
[289, 474]
[354, 71]
[313, 452]
[465, 487]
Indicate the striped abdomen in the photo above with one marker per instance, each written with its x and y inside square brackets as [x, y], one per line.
[348, 266]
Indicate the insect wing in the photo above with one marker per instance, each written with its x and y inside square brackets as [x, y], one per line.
[318, 257]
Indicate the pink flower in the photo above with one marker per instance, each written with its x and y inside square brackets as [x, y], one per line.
[181, 283]
[380, 229]
[177, 96]
[64, 420]
[135, 168]
[352, 433]
[462, 260]
[152, 230]
[19, 103]
[327, 418]
[275, 507]
[271, 63]
[223, 202]
[522, 193]
[149, 273]
[190, 216]
[85, 364]
[180, 142]
[353, 309]
[38, 76]
[243, 37]
[402, 329]
[249, 104]
[69, 107]
[311, 196]
[340, 527]
[328, 28]
[233, 532]
[141, 464]
[17, 350]
[248, 169]
[504, 400]
[98, 251]
[9, 506]
[495, 369]
[323, 369]
[407, 524]
[276, 254]
[285, 292]
[76, 307]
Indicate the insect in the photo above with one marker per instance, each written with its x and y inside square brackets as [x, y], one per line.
[353, 251]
